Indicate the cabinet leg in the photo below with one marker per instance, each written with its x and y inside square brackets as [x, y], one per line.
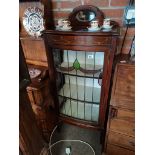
[102, 139]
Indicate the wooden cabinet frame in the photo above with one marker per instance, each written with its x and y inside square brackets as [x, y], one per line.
[79, 39]
[99, 41]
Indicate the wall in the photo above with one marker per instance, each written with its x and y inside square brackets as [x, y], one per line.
[113, 9]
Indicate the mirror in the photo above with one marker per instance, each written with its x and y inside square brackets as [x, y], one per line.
[85, 16]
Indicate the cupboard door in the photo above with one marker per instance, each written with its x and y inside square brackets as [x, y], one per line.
[79, 81]
[122, 114]
[122, 126]
[122, 121]
[116, 150]
[123, 92]
[121, 140]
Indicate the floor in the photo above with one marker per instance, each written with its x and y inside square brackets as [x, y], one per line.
[75, 133]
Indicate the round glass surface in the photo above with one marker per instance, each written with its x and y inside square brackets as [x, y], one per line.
[85, 16]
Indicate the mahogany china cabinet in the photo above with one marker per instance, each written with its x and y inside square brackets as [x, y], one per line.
[80, 65]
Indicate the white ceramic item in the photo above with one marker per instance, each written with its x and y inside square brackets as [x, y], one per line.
[106, 22]
[60, 22]
[94, 29]
[34, 72]
[33, 21]
[66, 28]
[107, 27]
[94, 24]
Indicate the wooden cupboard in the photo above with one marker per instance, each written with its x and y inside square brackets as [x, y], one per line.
[31, 141]
[120, 135]
[41, 101]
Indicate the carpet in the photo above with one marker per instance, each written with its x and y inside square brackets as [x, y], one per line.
[73, 132]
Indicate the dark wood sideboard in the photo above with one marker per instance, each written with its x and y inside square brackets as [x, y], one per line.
[31, 141]
[35, 56]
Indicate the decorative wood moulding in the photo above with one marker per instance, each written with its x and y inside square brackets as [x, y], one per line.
[79, 40]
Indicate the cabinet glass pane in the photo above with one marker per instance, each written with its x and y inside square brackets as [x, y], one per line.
[79, 78]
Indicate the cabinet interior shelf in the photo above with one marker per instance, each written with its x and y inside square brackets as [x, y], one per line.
[64, 98]
[81, 92]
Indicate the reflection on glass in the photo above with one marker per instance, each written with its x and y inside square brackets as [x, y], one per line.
[85, 15]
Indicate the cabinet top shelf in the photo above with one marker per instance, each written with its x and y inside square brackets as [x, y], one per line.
[113, 32]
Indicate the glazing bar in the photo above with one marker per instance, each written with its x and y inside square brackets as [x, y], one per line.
[77, 87]
[93, 88]
[85, 76]
[62, 79]
[69, 83]
[88, 102]
[85, 88]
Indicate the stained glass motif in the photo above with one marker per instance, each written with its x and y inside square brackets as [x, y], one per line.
[76, 64]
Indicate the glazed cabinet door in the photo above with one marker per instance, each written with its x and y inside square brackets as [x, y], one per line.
[78, 83]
